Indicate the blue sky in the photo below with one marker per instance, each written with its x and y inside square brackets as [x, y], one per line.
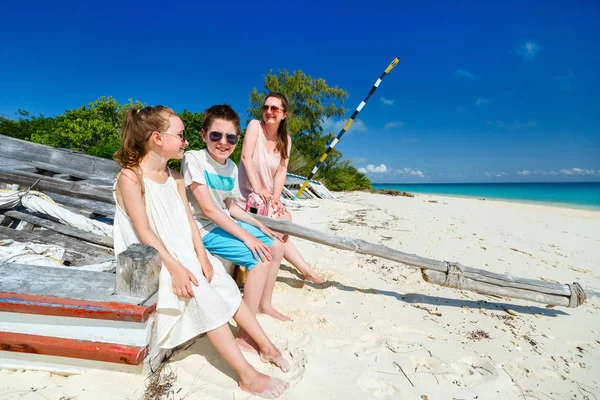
[483, 92]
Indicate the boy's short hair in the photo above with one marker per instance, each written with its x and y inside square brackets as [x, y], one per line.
[221, 111]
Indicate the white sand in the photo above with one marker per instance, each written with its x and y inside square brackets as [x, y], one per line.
[351, 336]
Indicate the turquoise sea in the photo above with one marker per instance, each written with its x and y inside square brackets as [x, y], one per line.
[566, 194]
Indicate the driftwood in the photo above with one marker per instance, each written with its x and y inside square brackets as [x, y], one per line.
[90, 206]
[80, 190]
[138, 269]
[443, 272]
[65, 230]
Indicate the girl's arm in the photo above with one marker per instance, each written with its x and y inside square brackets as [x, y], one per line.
[129, 194]
[202, 195]
[207, 267]
[279, 180]
[252, 132]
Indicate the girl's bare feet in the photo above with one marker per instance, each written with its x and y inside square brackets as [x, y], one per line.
[270, 311]
[272, 355]
[263, 385]
[246, 343]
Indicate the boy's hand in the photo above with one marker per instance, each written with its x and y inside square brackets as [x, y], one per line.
[207, 270]
[180, 280]
[270, 233]
[259, 249]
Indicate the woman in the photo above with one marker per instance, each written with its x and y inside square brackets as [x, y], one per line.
[263, 169]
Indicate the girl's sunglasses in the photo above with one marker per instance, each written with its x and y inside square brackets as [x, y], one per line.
[231, 138]
[180, 134]
[274, 109]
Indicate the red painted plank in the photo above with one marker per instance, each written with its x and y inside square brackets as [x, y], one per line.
[84, 349]
[64, 307]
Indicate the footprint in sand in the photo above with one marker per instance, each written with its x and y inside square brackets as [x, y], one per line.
[376, 387]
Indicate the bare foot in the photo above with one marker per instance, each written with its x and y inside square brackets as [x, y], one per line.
[246, 343]
[263, 386]
[274, 356]
[270, 311]
[314, 278]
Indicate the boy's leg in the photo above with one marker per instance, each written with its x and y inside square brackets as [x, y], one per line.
[265, 301]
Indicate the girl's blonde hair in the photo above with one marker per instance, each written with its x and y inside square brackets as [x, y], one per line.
[137, 128]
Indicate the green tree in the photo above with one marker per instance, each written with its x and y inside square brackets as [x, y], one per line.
[311, 102]
[26, 125]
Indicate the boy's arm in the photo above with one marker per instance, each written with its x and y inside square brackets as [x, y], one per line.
[202, 195]
[240, 215]
[207, 267]
[130, 192]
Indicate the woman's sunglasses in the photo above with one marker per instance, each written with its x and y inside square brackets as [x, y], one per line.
[231, 138]
[273, 109]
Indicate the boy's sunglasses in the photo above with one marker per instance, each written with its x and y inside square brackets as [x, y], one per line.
[274, 109]
[231, 138]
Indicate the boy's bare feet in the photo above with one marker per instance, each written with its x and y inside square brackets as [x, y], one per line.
[263, 386]
[270, 311]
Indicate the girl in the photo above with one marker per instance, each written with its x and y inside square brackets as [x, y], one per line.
[212, 179]
[263, 169]
[195, 293]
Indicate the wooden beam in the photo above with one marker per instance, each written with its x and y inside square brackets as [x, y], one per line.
[76, 252]
[79, 189]
[65, 307]
[65, 230]
[96, 207]
[84, 349]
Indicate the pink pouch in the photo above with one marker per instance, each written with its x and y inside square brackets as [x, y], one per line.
[254, 201]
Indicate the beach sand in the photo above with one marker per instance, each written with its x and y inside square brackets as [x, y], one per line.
[376, 330]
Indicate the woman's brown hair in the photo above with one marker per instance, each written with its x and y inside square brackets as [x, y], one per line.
[282, 134]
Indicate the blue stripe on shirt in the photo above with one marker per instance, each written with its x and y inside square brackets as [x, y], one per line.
[219, 182]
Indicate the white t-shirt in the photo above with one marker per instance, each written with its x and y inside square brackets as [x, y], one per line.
[221, 180]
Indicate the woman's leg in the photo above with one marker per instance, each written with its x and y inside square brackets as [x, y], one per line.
[293, 256]
[250, 380]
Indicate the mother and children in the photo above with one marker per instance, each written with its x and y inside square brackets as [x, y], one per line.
[190, 216]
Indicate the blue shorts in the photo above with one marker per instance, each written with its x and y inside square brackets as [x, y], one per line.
[227, 246]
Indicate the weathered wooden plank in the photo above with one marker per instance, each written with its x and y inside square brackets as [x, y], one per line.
[61, 282]
[76, 252]
[65, 230]
[96, 207]
[65, 307]
[138, 269]
[486, 288]
[88, 350]
[79, 189]
[61, 158]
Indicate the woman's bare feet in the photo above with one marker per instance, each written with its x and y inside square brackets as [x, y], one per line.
[263, 385]
[272, 355]
[270, 311]
[313, 277]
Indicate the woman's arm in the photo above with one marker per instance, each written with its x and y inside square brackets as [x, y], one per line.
[207, 267]
[247, 158]
[129, 192]
[202, 195]
[281, 173]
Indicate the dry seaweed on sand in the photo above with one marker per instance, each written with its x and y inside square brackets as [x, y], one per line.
[161, 384]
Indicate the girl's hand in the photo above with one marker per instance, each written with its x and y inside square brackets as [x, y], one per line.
[265, 195]
[207, 270]
[180, 280]
[270, 233]
[259, 249]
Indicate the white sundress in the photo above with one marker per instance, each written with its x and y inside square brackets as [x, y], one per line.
[179, 319]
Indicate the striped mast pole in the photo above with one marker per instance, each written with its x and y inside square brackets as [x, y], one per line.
[345, 128]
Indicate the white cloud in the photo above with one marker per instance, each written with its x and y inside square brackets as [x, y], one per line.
[387, 102]
[393, 124]
[330, 125]
[481, 101]
[461, 73]
[567, 83]
[373, 169]
[528, 49]
[579, 171]
[524, 172]
[496, 174]
[410, 171]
